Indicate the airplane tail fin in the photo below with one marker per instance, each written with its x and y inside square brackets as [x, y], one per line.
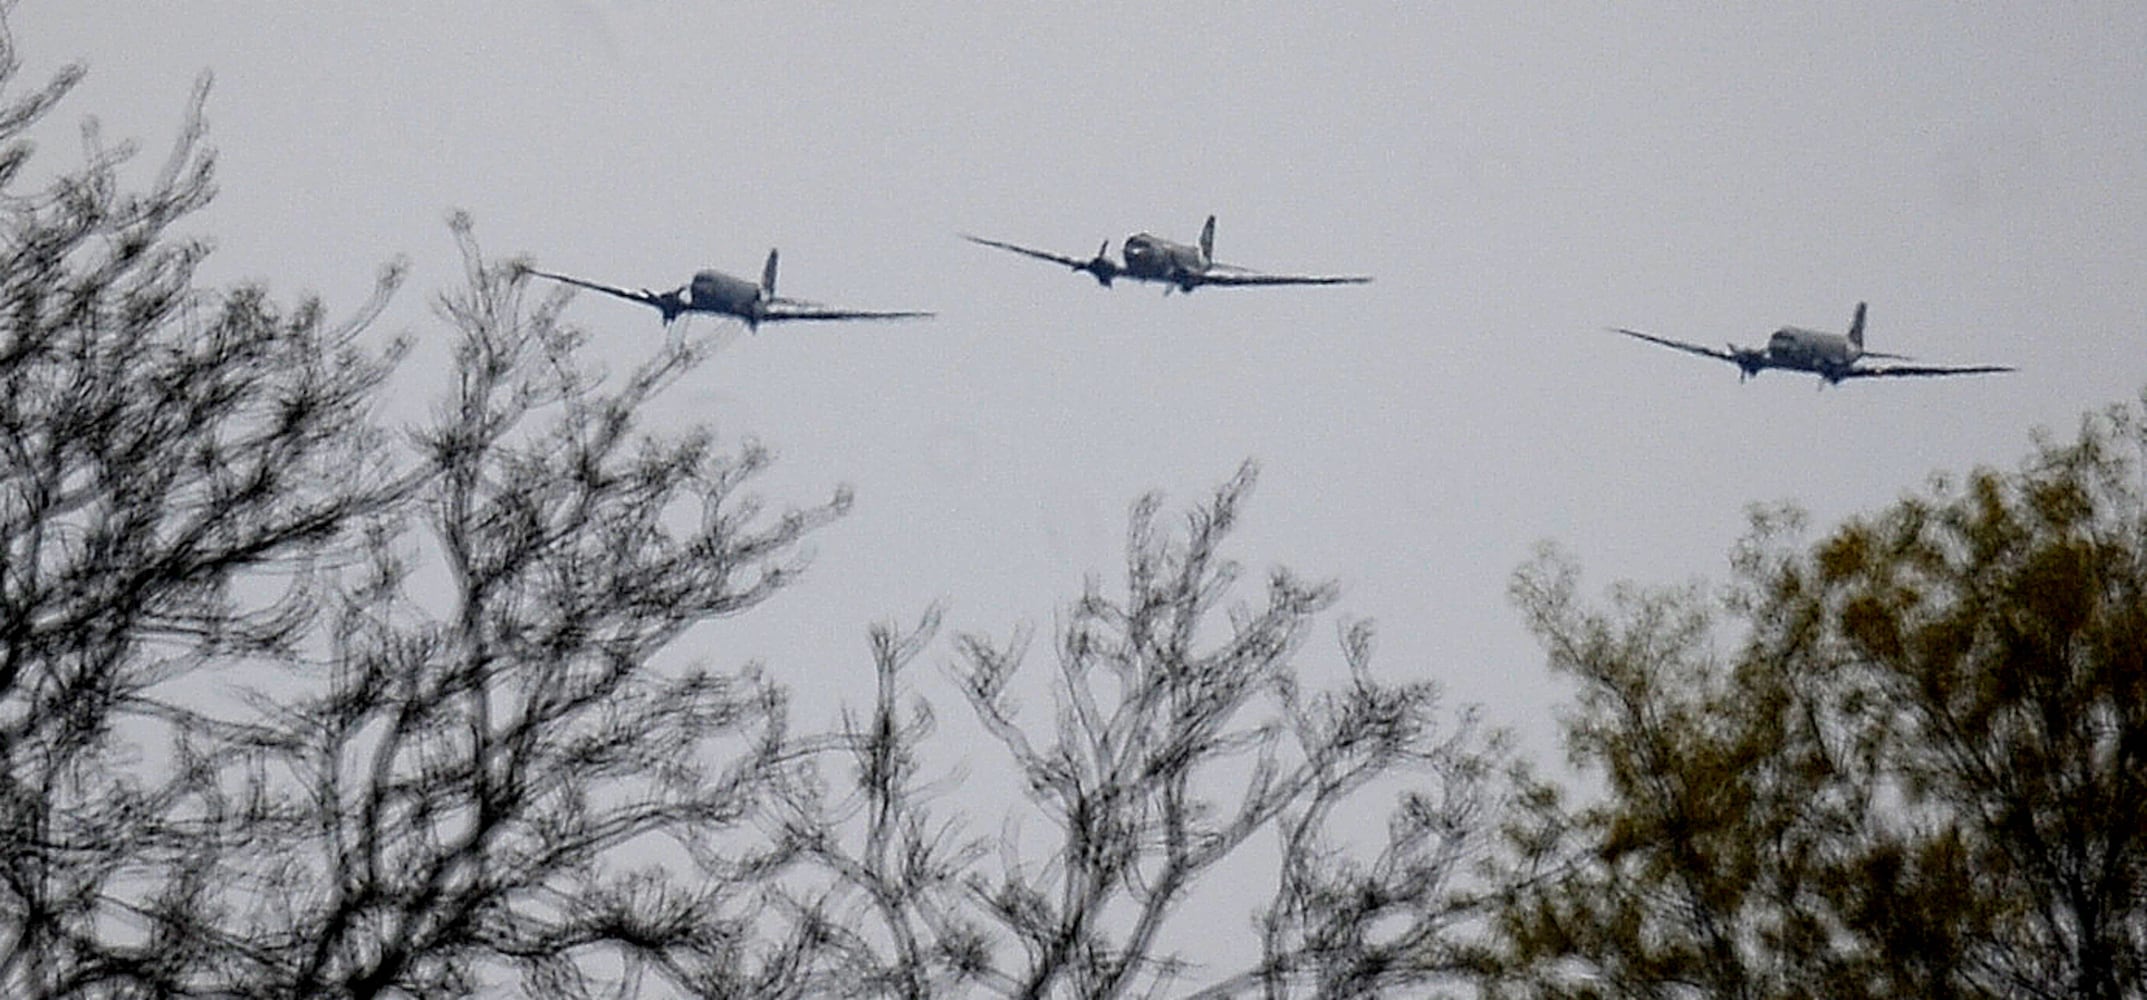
[1207, 241]
[767, 277]
[1856, 328]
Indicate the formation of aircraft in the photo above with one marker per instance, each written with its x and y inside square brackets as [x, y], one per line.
[727, 295]
[1148, 257]
[1831, 356]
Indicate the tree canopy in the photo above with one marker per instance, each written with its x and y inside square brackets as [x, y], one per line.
[1922, 772]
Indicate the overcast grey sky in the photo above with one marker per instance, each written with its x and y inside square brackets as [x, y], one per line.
[1517, 179]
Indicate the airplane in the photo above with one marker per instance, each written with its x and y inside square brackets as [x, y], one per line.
[1152, 258]
[713, 291]
[1831, 356]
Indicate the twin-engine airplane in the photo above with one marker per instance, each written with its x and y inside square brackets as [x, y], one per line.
[1152, 258]
[1830, 356]
[727, 295]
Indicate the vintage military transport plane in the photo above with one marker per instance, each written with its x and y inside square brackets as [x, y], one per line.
[1830, 356]
[1152, 258]
[726, 295]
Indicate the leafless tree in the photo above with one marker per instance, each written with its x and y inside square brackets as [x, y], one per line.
[466, 792]
[294, 706]
[1177, 740]
[172, 465]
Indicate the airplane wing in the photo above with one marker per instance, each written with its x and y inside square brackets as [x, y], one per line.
[1223, 274]
[789, 309]
[1705, 352]
[1890, 371]
[1038, 254]
[1104, 268]
[641, 295]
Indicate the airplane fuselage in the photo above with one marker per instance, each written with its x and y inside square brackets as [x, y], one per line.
[1811, 351]
[1153, 258]
[714, 291]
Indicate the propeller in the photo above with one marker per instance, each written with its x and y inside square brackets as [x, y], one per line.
[1101, 265]
[670, 303]
[1749, 362]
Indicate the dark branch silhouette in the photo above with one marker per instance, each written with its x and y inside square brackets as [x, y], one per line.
[290, 706]
[1182, 735]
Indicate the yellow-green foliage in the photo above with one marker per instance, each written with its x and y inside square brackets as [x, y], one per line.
[1924, 772]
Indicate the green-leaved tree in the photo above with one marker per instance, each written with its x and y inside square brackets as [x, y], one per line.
[1923, 772]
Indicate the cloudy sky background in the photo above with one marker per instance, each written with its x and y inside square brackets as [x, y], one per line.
[1517, 179]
